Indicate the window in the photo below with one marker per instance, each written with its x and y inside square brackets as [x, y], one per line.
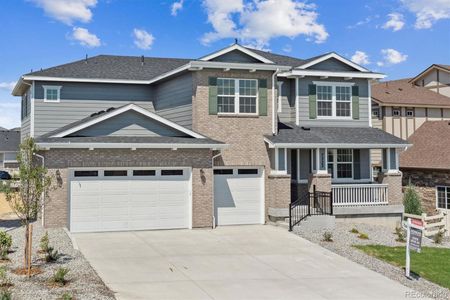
[410, 113]
[144, 172]
[334, 100]
[171, 172]
[85, 173]
[115, 173]
[443, 197]
[375, 112]
[340, 163]
[51, 93]
[247, 171]
[396, 112]
[223, 172]
[237, 96]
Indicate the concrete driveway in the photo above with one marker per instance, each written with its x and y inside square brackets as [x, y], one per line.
[238, 262]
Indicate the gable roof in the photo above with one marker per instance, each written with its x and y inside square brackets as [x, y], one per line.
[110, 113]
[430, 147]
[240, 48]
[404, 93]
[315, 60]
[445, 68]
[280, 59]
[9, 140]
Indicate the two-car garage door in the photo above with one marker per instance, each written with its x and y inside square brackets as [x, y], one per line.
[130, 199]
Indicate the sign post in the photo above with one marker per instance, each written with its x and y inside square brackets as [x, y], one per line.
[414, 228]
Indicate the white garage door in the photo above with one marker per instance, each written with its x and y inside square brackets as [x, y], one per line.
[239, 196]
[129, 199]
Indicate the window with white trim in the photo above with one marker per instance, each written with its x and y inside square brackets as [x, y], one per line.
[52, 93]
[410, 113]
[396, 112]
[340, 163]
[334, 100]
[237, 96]
[443, 197]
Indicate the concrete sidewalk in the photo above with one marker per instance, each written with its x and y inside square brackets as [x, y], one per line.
[235, 262]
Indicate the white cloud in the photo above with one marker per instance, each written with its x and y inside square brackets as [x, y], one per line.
[257, 22]
[361, 58]
[9, 86]
[10, 116]
[143, 39]
[428, 11]
[85, 38]
[68, 11]
[367, 20]
[391, 57]
[176, 6]
[396, 22]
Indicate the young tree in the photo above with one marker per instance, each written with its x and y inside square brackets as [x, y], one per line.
[411, 201]
[26, 197]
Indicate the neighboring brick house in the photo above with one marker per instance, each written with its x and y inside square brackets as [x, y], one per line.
[9, 147]
[158, 143]
[426, 165]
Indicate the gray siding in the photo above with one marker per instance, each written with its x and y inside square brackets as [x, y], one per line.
[287, 113]
[363, 120]
[79, 100]
[25, 128]
[236, 56]
[129, 124]
[332, 64]
[51, 116]
[173, 99]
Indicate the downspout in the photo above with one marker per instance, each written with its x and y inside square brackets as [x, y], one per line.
[274, 108]
[213, 210]
[43, 193]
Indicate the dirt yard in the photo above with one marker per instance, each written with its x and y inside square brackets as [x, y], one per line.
[5, 210]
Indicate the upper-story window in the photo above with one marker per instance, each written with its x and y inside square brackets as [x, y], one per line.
[237, 96]
[334, 101]
[396, 112]
[52, 93]
[410, 113]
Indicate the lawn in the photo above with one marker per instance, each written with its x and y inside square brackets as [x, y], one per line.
[432, 264]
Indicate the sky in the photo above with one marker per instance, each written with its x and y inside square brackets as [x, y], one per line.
[399, 37]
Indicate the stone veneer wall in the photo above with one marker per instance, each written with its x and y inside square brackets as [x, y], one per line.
[58, 160]
[425, 182]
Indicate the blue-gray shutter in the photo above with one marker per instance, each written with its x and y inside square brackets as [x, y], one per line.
[312, 101]
[212, 81]
[355, 102]
[262, 95]
[356, 164]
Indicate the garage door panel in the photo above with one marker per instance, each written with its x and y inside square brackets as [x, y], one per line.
[130, 203]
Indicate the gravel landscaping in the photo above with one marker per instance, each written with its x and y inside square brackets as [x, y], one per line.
[342, 243]
[83, 281]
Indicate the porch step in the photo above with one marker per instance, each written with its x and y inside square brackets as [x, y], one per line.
[319, 222]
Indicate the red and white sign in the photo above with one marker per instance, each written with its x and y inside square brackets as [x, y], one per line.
[417, 222]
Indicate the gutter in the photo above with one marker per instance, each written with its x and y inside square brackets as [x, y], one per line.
[69, 145]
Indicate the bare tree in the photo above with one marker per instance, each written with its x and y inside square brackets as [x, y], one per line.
[26, 197]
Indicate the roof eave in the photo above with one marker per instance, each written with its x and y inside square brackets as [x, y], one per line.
[297, 72]
[69, 145]
[334, 145]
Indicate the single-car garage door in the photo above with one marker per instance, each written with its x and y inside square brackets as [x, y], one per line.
[129, 199]
[239, 196]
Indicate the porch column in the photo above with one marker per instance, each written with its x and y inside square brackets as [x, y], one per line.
[319, 177]
[392, 176]
[279, 186]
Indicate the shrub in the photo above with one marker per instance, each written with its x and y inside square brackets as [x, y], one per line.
[354, 230]
[51, 255]
[60, 276]
[400, 234]
[327, 236]
[4, 280]
[363, 236]
[44, 243]
[5, 244]
[411, 201]
[66, 296]
[5, 295]
[438, 237]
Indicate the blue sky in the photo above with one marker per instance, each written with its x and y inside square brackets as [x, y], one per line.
[398, 37]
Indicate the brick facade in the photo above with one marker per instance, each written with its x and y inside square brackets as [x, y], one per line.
[56, 210]
[425, 182]
[394, 180]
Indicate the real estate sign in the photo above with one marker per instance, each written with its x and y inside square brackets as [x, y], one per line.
[414, 228]
[415, 239]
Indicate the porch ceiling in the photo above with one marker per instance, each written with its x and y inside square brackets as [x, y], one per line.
[293, 136]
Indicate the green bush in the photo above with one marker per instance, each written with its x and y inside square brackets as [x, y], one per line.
[400, 235]
[438, 237]
[411, 201]
[5, 244]
[51, 255]
[4, 280]
[363, 236]
[60, 276]
[66, 296]
[327, 236]
[354, 230]
[44, 242]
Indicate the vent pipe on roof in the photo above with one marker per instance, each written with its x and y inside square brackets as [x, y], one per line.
[86, 59]
[142, 60]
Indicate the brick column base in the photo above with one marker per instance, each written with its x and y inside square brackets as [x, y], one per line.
[321, 181]
[394, 182]
[279, 196]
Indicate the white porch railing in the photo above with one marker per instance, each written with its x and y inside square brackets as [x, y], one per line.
[359, 194]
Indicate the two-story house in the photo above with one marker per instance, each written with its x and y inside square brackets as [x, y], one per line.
[230, 138]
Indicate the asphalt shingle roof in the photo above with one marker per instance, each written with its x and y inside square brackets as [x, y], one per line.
[430, 150]
[291, 133]
[9, 140]
[129, 139]
[279, 59]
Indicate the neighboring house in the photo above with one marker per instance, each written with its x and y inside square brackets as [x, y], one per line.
[9, 147]
[158, 143]
[435, 78]
[426, 165]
